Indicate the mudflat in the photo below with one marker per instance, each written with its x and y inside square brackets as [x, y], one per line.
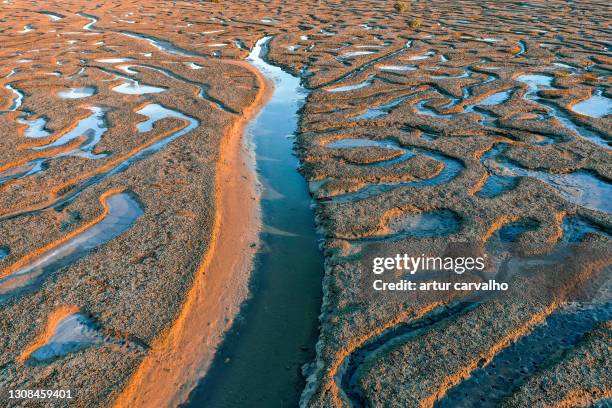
[122, 173]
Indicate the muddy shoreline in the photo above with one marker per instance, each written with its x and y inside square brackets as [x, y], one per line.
[180, 357]
[486, 123]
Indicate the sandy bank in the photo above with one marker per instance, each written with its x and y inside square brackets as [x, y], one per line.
[182, 354]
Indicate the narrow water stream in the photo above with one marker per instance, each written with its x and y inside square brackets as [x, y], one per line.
[122, 212]
[259, 363]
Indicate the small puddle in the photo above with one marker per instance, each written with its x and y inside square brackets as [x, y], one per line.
[52, 15]
[133, 87]
[18, 100]
[4, 252]
[92, 20]
[36, 127]
[259, 362]
[25, 170]
[77, 93]
[575, 228]
[76, 332]
[489, 40]
[597, 106]
[422, 56]
[354, 54]
[125, 68]
[113, 60]
[193, 65]
[535, 82]
[73, 333]
[566, 66]
[522, 48]
[512, 231]
[122, 211]
[92, 127]
[422, 108]
[427, 224]
[354, 87]
[495, 184]
[495, 99]
[154, 113]
[27, 28]
[241, 45]
[381, 110]
[398, 67]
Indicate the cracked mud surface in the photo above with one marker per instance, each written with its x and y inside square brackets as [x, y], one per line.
[485, 115]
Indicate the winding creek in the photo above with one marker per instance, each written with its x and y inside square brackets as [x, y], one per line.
[122, 211]
[563, 329]
[348, 374]
[202, 88]
[580, 187]
[260, 360]
[537, 82]
[154, 112]
[452, 168]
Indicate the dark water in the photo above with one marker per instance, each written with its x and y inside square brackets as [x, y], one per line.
[562, 330]
[581, 187]
[512, 231]
[259, 363]
[545, 344]
[348, 376]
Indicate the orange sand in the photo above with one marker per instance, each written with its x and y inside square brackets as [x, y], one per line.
[181, 355]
